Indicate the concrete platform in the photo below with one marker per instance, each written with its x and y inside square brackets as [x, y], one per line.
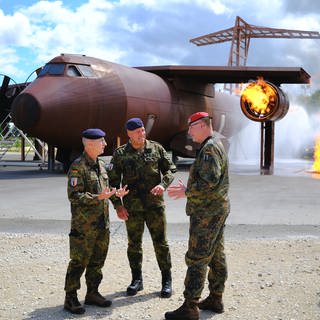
[285, 204]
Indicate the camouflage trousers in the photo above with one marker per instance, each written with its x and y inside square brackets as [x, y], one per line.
[155, 221]
[205, 249]
[87, 252]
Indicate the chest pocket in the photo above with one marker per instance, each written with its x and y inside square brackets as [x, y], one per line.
[151, 163]
[93, 185]
[130, 169]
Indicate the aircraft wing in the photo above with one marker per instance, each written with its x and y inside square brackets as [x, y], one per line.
[227, 74]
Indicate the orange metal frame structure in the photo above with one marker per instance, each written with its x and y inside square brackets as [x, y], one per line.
[240, 35]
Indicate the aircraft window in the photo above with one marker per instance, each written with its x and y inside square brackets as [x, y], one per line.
[57, 69]
[72, 71]
[54, 69]
[86, 70]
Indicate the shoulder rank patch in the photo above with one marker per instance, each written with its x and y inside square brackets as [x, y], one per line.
[109, 166]
[206, 157]
[73, 181]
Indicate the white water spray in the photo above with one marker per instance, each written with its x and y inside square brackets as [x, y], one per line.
[293, 134]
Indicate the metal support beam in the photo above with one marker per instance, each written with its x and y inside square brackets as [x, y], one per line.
[39, 148]
[51, 158]
[241, 34]
[267, 148]
[23, 149]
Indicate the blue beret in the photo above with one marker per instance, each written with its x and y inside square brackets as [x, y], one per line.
[93, 133]
[134, 123]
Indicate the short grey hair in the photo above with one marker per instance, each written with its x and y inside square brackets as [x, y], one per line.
[84, 141]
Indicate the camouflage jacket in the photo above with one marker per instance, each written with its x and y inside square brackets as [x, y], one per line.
[141, 171]
[208, 183]
[86, 180]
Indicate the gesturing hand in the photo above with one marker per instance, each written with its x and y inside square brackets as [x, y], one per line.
[107, 193]
[122, 213]
[157, 190]
[121, 192]
[178, 191]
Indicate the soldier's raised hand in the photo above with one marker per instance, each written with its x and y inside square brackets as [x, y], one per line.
[178, 191]
[121, 192]
[157, 190]
[107, 193]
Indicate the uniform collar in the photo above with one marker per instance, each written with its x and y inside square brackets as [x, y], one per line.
[89, 160]
[147, 146]
[203, 144]
[205, 141]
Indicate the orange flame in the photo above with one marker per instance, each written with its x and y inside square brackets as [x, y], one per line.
[260, 96]
[316, 156]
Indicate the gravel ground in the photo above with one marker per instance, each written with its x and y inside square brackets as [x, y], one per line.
[268, 279]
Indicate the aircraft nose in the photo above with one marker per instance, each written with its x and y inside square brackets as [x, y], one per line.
[25, 111]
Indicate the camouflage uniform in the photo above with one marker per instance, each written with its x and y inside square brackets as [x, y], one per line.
[208, 207]
[141, 171]
[89, 235]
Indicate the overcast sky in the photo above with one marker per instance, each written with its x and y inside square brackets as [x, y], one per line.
[151, 32]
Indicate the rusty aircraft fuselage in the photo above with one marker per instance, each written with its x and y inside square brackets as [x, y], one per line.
[75, 92]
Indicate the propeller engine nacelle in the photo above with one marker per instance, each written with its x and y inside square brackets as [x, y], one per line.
[263, 101]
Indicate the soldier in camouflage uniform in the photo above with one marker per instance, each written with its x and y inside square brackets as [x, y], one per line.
[146, 168]
[88, 192]
[208, 207]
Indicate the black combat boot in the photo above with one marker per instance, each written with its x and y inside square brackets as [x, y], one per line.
[72, 304]
[136, 283]
[93, 297]
[188, 311]
[166, 290]
[213, 303]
